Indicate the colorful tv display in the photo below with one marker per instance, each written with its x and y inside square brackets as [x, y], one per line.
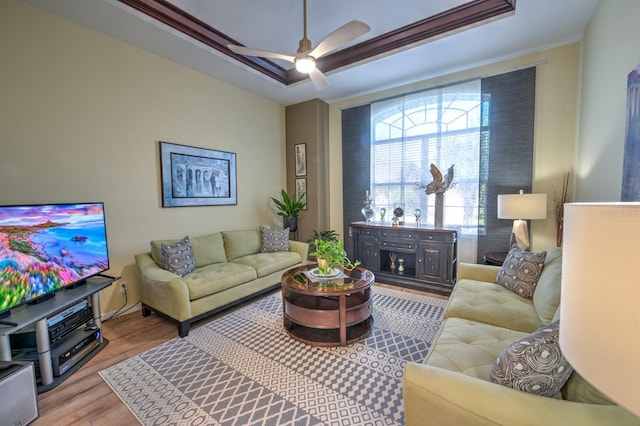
[47, 247]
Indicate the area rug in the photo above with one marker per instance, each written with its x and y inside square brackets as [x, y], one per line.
[244, 369]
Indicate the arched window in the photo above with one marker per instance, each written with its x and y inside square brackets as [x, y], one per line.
[409, 133]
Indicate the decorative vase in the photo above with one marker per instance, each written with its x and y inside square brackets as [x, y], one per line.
[439, 211]
[367, 211]
[290, 222]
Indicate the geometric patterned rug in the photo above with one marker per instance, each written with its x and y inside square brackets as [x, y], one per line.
[244, 369]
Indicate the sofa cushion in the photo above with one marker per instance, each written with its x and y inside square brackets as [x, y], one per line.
[178, 257]
[241, 243]
[546, 298]
[208, 249]
[492, 304]
[534, 363]
[217, 277]
[274, 239]
[469, 347]
[156, 250]
[520, 271]
[268, 263]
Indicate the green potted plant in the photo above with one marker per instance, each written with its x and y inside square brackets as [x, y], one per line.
[327, 235]
[331, 254]
[289, 208]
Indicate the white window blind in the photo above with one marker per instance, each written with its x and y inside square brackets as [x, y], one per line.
[440, 126]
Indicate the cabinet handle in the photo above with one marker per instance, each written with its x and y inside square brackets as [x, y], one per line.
[375, 254]
[419, 260]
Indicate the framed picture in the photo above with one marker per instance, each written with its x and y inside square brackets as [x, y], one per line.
[300, 151]
[197, 176]
[301, 189]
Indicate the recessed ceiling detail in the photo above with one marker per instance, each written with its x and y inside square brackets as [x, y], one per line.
[455, 19]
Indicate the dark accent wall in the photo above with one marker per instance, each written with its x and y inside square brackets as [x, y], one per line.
[510, 138]
[356, 169]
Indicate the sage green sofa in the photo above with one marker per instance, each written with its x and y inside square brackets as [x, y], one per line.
[230, 268]
[452, 385]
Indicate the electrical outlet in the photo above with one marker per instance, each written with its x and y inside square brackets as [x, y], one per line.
[123, 287]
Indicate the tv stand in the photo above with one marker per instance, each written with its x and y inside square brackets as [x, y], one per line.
[28, 315]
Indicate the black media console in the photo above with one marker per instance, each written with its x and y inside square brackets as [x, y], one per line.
[58, 335]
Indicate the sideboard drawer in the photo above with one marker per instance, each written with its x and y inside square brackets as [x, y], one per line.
[433, 236]
[369, 232]
[399, 235]
[398, 244]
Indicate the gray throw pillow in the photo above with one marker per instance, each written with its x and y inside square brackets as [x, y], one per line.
[178, 257]
[274, 239]
[534, 363]
[520, 271]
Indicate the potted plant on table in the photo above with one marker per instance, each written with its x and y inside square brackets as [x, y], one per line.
[289, 208]
[331, 255]
[326, 235]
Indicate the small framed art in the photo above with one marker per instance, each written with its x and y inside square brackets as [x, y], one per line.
[300, 152]
[301, 189]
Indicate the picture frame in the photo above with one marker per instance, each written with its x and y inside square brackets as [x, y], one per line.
[300, 155]
[194, 176]
[301, 188]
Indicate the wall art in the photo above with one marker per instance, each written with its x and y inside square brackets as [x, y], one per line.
[301, 189]
[197, 176]
[300, 151]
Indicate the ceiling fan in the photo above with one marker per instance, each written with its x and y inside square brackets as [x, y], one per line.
[306, 56]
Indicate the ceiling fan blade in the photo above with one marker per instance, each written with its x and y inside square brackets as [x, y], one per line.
[247, 51]
[318, 79]
[343, 35]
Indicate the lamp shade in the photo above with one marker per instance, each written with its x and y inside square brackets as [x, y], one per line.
[599, 313]
[522, 206]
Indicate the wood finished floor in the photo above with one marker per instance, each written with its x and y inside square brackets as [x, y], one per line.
[85, 399]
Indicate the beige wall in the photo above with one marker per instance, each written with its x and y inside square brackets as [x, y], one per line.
[556, 94]
[81, 115]
[610, 51]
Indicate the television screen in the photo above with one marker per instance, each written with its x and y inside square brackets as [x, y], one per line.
[44, 248]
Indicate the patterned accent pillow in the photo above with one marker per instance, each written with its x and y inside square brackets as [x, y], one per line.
[520, 271]
[274, 239]
[534, 363]
[178, 257]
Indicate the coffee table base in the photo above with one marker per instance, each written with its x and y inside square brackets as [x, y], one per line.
[329, 337]
[328, 314]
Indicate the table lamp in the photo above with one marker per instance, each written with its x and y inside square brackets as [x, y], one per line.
[599, 319]
[522, 207]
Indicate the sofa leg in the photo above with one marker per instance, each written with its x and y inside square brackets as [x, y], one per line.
[145, 310]
[183, 329]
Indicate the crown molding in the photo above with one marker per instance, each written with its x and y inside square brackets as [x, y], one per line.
[468, 14]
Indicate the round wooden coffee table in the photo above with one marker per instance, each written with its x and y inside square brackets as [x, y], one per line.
[327, 313]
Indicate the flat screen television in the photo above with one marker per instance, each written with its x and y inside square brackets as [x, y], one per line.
[48, 247]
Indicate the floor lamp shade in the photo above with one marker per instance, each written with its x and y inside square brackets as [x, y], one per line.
[600, 309]
[522, 207]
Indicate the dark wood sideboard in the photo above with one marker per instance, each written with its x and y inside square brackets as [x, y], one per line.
[430, 256]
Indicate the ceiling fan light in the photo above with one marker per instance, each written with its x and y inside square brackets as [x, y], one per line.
[305, 65]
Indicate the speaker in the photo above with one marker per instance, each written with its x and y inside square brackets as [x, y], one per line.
[18, 402]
